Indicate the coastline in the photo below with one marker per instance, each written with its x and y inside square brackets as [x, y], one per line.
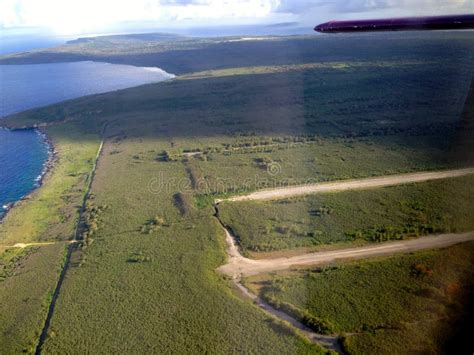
[52, 158]
[48, 166]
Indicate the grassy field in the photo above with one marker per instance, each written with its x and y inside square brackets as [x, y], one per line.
[146, 272]
[270, 69]
[180, 55]
[162, 282]
[28, 276]
[317, 159]
[311, 124]
[404, 304]
[27, 280]
[374, 215]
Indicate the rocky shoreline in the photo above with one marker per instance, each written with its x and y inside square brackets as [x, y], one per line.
[47, 168]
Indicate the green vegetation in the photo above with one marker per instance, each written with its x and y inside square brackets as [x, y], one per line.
[28, 277]
[153, 225]
[396, 305]
[50, 213]
[309, 160]
[179, 55]
[11, 259]
[159, 290]
[27, 281]
[138, 257]
[376, 215]
[90, 222]
[296, 67]
[318, 325]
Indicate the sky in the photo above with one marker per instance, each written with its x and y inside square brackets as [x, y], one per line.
[76, 17]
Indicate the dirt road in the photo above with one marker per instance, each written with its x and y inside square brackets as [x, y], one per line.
[236, 261]
[390, 180]
[26, 245]
[330, 342]
[239, 266]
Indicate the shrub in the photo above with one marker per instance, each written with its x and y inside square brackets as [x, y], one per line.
[158, 221]
[319, 325]
[90, 221]
[138, 257]
[182, 203]
[153, 225]
[421, 270]
[386, 233]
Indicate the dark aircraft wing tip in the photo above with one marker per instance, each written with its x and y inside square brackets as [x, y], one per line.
[451, 22]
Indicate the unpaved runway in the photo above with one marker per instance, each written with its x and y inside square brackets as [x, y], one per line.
[390, 180]
[239, 266]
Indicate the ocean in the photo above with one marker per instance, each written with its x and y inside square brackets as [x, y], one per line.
[27, 86]
[23, 154]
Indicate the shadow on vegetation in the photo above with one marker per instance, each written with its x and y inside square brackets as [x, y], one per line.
[412, 108]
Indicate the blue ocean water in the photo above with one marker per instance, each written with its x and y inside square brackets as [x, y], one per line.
[24, 153]
[27, 86]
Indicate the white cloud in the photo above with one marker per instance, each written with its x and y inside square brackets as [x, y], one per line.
[76, 16]
[67, 15]
[218, 9]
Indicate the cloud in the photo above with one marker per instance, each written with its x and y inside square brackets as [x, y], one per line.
[75, 16]
[88, 16]
[184, 2]
[218, 9]
[44, 12]
[397, 7]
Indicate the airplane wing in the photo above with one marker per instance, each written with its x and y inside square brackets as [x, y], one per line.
[456, 22]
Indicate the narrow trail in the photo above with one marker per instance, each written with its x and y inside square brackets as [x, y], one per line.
[71, 247]
[358, 184]
[238, 266]
[330, 342]
[26, 245]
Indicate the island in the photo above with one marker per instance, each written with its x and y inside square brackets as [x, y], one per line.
[282, 195]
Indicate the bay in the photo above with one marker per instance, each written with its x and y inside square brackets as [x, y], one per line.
[23, 153]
